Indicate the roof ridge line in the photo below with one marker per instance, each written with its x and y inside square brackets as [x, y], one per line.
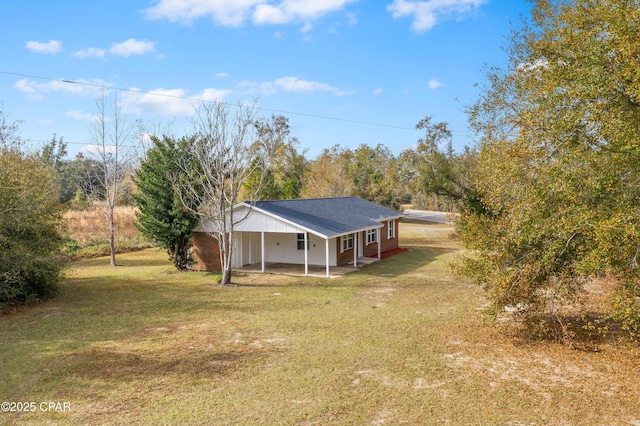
[308, 199]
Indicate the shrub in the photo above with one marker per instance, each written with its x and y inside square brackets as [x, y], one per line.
[30, 223]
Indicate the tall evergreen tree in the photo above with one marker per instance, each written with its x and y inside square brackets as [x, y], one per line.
[161, 214]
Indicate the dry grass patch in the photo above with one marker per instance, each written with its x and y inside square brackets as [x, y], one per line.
[398, 342]
[89, 229]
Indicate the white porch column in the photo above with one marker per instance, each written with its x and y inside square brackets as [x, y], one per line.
[306, 256]
[355, 249]
[378, 237]
[262, 244]
[327, 253]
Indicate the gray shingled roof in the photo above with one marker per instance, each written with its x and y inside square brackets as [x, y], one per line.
[330, 217]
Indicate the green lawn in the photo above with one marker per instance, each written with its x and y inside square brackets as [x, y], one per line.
[398, 342]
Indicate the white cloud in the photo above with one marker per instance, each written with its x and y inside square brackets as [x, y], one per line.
[296, 10]
[131, 47]
[294, 84]
[264, 89]
[223, 12]
[91, 52]
[306, 28]
[52, 47]
[26, 86]
[290, 84]
[80, 115]
[268, 14]
[80, 87]
[237, 12]
[434, 84]
[125, 49]
[96, 150]
[378, 91]
[222, 75]
[427, 13]
[167, 101]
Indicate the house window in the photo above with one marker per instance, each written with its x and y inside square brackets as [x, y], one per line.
[391, 228]
[347, 242]
[301, 241]
[371, 236]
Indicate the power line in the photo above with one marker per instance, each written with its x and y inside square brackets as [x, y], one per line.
[142, 92]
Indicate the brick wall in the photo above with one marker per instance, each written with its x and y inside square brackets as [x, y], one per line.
[205, 253]
[346, 256]
[389, 244]
[370, 250]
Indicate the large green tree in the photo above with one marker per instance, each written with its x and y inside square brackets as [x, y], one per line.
[559, 166]
[162, 217]
[283, 178]
[374, 174]
[327, 175]
[434, 169]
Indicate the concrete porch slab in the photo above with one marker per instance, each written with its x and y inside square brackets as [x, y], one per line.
[297, 270]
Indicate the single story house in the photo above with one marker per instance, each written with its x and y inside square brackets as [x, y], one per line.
[334, 231]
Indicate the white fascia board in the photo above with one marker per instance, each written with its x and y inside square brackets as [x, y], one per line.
[381, 225]
[391, 218]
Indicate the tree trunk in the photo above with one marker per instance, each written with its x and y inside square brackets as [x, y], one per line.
[226, 276]
[112, 238]
[226, 261]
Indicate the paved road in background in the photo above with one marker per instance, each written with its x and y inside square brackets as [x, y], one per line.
[431, 216]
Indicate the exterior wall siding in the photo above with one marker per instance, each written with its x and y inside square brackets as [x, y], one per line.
[282, 248]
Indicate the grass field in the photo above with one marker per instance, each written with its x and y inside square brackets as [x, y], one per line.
[89, 229]
[398, 342]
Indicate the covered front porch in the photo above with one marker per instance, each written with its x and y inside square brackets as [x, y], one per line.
[298, 270]
[285, 253]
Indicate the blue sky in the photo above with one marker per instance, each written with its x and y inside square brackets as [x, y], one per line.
[343, 71]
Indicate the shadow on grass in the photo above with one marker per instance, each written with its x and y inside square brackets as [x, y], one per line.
[110, 365]
[135, 258]
[408, 262]
[418, 257]
[589, 331]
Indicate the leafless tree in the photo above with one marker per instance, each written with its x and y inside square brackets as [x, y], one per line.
[112, 148]
[225, 153]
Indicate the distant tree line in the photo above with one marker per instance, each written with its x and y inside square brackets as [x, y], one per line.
[432, 176]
